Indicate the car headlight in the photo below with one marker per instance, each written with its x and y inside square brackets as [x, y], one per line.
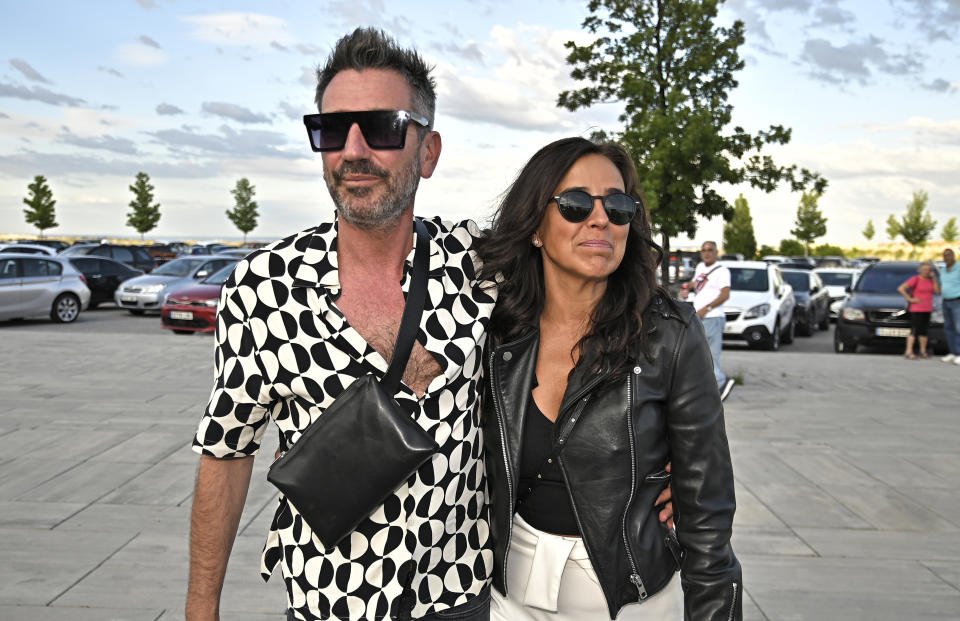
[936, 316]
[213, 302]
[853, 314]
[757, 311]
[152, 289]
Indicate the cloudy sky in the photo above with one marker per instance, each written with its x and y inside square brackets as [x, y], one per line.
[199, 94]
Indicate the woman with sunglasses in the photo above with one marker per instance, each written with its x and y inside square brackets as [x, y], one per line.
[596, 381]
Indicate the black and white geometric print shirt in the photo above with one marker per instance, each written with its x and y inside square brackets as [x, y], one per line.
[285, 351]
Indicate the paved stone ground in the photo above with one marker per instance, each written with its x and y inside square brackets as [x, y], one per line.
[848, 474]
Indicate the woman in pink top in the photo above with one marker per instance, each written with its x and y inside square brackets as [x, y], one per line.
[922, 289]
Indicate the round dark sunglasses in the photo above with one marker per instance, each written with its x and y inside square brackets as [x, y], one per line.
[577, 205]
[381, 129]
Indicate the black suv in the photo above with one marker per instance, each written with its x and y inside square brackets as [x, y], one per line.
[876, 314]
[134, 256]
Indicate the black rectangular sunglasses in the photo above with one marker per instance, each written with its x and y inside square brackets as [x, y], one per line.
[382, 129]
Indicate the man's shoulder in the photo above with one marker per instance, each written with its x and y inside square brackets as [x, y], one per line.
[463, 233]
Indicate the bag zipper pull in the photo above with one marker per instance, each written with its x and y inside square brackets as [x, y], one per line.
[637, 582]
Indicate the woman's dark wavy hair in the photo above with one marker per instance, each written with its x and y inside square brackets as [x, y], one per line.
[509, 256]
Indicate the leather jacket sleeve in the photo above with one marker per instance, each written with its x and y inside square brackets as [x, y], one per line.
[703, 493]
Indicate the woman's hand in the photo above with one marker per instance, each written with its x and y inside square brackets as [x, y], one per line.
[666, 498]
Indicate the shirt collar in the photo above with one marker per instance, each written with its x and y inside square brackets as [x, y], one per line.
[319, 265]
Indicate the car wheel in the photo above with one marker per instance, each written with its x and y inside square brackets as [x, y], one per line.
[787, 337]
[825, 322]
[842, 347]
[806, 328]
[183, 331]
[66, 308]
[135, 312]
[773, 343]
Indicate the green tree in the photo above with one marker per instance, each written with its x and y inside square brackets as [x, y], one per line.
[672, 68]
[738, 234]
[766, 250]
[790, 248]
[40, 203]
[916, 225]
[869, 232]
[244, 214]
[143, 216]
[810, 222]
[828, 250]
[949, 232]
[893, 227]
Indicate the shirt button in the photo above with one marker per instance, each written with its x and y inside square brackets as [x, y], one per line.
[539, 476]
[549, 460]
[507, 356]
[637, 370]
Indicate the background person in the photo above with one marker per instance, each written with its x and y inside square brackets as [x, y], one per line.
[922, 288]
[950, 285]
[711, 288]
[579, 330]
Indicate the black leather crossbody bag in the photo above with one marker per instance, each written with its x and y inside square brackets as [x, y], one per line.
[364, 446]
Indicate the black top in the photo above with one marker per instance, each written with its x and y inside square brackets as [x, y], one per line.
[547, 505]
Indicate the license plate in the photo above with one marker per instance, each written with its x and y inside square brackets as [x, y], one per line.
[128, 298]
[896, 332]
[186, 315]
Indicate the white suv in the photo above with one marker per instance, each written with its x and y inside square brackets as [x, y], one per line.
[760, 308]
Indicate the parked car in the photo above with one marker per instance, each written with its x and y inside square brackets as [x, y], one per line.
[209, 248]
[33, 285]
[774, 258]
[760, 308]
[682, 265]
[238, 253]
[876, 314]
[28, 249]
[103, 276]
[837, 280]
[149, 292]
[136, 257]
[831, 261]
[813, 301]
[55, 244]
[736, 256]
[194, 307]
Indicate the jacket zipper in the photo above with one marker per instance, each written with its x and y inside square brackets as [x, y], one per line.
[634, 577]
[733, 604]
[506, 465]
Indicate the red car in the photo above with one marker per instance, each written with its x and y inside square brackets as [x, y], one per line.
[194, 308]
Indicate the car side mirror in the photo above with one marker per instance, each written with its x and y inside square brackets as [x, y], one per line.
[848, 289]
[201, 274]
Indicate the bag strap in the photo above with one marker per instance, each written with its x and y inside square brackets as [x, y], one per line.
[413, 309]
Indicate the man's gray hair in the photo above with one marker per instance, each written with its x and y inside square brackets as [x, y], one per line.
[372, 48]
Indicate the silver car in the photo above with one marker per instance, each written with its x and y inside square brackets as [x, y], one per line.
[149, 292]
[41, 285]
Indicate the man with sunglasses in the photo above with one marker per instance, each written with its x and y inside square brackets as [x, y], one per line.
[711, 288]
[303, 318]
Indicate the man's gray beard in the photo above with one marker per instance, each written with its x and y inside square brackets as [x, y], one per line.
[383, 213]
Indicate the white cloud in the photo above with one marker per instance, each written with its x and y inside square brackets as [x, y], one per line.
[252, 29]
[234, 112]
[139, 54]
[28, 71]
[148, 41]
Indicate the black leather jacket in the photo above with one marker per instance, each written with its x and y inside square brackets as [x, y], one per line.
[621, 435]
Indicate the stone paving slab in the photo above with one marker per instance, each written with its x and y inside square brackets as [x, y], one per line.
[848, 482]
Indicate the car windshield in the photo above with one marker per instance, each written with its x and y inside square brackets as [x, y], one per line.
[220, 276]
[748, 279]
[884, 280]
[800, 281]
[835, 279]
[177, 267]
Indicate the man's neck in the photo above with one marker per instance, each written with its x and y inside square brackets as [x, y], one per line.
[380, 251]
[710, 264]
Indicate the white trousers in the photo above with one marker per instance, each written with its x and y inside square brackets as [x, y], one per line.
[550, 578]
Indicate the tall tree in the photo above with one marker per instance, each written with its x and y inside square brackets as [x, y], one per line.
[738, 234]
[893, 227]
[672, 68]
[244, 213]
[916, 225]
[790, 247]
[949, 232]
[143, 216]
[869, 231]
[40, 203]
[810, 222]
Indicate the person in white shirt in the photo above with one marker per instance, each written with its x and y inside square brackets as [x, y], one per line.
[711, 288]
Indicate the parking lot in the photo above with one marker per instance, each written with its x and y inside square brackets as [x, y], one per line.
[847, 467]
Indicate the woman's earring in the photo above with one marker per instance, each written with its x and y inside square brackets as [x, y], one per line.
[537, 242]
